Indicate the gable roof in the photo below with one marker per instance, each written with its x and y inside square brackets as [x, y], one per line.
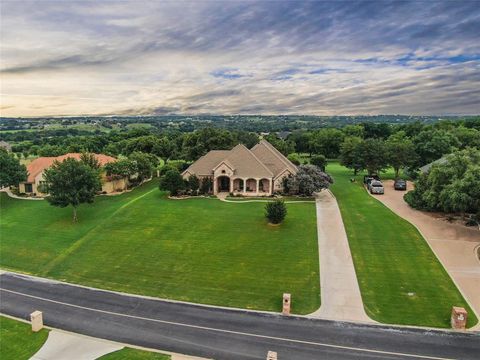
[243, 161]
[426, 168]
[38, 165]
[246, 164]
[205, 164]
[272, 158]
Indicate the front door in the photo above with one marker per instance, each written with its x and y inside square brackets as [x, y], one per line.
[224, 184]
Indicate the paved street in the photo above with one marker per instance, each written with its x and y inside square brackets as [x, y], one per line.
[219, 333]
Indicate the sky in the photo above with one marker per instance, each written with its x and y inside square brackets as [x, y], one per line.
[249, 57]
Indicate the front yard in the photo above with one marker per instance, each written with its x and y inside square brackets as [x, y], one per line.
[400, 279]
[17, 341]
[200, 250]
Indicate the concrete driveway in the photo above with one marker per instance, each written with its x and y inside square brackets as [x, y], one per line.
[455, 245]
[341, 298]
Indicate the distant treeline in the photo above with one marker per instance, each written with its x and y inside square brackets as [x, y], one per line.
[428, 141]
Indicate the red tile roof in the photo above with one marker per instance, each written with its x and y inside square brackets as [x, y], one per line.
[38, 165]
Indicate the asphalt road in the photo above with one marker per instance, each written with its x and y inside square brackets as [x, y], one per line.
[219, 333]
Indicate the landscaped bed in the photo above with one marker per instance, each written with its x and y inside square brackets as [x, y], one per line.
[17, 341]
[200, 250]
[400, 279]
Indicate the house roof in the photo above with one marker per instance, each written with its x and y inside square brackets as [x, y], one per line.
[262, 161]
[246, 164]
[38, 165]
[205, 164]
[426, 168]
[272, 158]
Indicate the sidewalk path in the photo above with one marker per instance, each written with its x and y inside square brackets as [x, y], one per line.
[67, 346]
[341, 299]
[453, 244]
[12, 195]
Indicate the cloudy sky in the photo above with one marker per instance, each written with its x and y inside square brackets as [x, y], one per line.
[226, 57]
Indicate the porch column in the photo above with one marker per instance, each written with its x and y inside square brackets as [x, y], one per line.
[244, 185]
[258, 186]
[215, 186]
[271, 186]
[231, 185]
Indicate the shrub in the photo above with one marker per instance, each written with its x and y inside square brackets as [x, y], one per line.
[319, 161]
[275, 211]
[206, 186]
[308, 180]
[172, 181]
[294, 158]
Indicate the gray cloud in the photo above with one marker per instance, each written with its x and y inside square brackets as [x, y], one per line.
[240, 57]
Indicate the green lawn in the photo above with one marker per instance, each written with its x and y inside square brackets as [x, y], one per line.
[392, 260]
[17, 341]
[200, 250]
[134, 354]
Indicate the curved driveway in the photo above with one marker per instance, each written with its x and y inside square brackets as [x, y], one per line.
[220, 333]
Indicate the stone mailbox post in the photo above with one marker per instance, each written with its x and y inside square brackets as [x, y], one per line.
[459, 318]
[272, 355]
[37, 321]
[286, 304]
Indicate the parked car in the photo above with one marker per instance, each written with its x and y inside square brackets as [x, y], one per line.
[376, 187]
[366, 178]
[400, 184]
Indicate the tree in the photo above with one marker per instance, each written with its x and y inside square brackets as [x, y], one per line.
[453, 186]
[308, 180]
[12, 172]
[349, 153]
[172, 181]
[145, 164]
[206, 185]
[400, 152]
[193, 183]
[90, 160]
[327, 142]
[432, 144]
[319, 161]
[71, 183]
[372, 155]
[275, 211]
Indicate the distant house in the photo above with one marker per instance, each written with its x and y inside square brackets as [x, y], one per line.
[426, 168]
[37, 167]
[283, 134]
[5, 145]
[250, 172]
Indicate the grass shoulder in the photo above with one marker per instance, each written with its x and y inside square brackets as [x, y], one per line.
[17, 341]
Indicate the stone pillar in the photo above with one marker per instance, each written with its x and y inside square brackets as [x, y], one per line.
[37, 321]
[459, 318]
[244, 185]
[271, 355]
[215, 186]
[286, 304]
[271, 187]
[231, 185]
[258, 186]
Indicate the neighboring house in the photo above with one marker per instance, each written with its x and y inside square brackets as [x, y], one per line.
[6, 145]
[283, 134]
[250, 172]
[37, 167]
[426, 168]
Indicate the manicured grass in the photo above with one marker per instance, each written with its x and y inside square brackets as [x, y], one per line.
[17, 341]
[392, 260]
[200, 250]
[134, 354]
